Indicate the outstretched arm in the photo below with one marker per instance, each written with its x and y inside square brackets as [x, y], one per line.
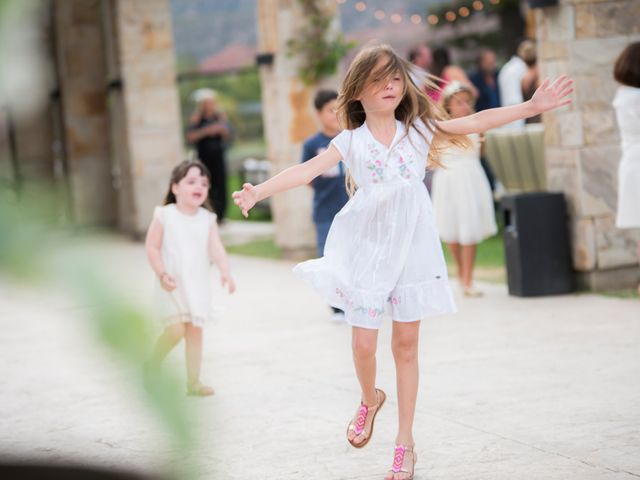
[300, 174]
[546, 97]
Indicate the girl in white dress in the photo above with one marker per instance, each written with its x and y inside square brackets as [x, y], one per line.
[462, 200]
[627, 106]
[181, 244]
[383, 253]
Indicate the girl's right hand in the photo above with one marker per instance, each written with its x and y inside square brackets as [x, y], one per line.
[246, 198]
[167, 282]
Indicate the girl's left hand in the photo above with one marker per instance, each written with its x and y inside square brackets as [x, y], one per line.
[547, 97]
[227, 281]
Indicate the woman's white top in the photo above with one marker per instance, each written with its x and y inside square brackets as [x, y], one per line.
[185, 255]
[383, 253]
[462, 199]
[627, 106]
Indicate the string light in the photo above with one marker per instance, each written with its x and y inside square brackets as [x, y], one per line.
[396, 18]
[478, 5]
[361, 6]
[432, 19]
[494, 2]
[379, 14]
[450, 16]
[463, 11]
[416, 19]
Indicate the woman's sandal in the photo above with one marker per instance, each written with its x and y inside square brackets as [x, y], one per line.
[197, 389]
[361, 419]
[400, 460]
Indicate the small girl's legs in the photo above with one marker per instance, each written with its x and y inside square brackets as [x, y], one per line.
[193, 356]
[465, 256]
[165, 343]
[364, 344]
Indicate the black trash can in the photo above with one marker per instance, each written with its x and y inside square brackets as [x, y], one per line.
[536, 244]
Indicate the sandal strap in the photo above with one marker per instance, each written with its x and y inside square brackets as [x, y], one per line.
[363, 411]
[398, 459]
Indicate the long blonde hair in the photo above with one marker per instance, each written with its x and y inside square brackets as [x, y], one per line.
[414, 104]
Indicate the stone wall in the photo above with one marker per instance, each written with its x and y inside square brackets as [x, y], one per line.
[147, 106]
[289, 118]
[582, 38]
[80, 62]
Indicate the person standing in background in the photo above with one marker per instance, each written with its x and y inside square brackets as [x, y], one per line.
[510, 81]
[485, 79]
[210, 132]
[531, 79]
[329, 189]
[627, 105]
[447, 72]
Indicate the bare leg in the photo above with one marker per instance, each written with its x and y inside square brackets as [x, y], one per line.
[193, 352]
[364, 343]
[404, 344]
[468, 259]
[169, 339]
[454, 248]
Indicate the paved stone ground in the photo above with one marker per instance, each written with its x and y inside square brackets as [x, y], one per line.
[511, 388]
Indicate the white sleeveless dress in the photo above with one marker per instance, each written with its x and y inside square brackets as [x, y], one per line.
[383, 254]
[185, 256]
[627, 105]
[462, 200]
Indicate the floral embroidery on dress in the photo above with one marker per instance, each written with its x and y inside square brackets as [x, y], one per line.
[405, 160]
[375, 163]
[372, 312]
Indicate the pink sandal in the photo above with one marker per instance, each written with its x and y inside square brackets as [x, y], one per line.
[361, 419]
[399, 457]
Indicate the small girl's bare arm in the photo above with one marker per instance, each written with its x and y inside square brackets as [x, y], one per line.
[153, 246]
[218, 255]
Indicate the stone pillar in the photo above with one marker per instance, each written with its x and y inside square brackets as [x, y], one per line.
[582, 147]
[146, 108]
[289, 118]
[80, 61]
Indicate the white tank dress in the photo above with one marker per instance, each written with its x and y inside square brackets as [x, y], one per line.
[462, 200]
[185, 256]
[383, 254]
[627, 106]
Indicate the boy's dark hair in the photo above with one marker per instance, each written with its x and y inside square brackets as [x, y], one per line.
[323, 97]
[179, 172]
[627, 67]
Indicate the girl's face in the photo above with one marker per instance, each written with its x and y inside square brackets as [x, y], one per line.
[192, 190]
[460, 105]
[385, 95]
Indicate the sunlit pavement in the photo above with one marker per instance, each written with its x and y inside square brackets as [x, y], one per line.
[511, 388]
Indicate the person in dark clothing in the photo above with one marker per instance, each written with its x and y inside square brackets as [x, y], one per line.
[210, 132]
[485, 79]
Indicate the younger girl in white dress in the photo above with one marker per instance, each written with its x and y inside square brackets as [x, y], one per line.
[181, 244]
[462, 200]
[383, 253]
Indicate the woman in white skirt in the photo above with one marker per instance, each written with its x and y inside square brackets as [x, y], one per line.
[627, 105]
[462, 200]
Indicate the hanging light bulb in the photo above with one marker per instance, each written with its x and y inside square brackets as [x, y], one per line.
[478, 5]
[416, 19]
[450, 16]
[432, 19]
[463, 11]
[396, 18]
[361, 6]
[379, 14]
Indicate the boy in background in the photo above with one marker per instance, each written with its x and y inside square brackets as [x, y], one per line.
[330, 193]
